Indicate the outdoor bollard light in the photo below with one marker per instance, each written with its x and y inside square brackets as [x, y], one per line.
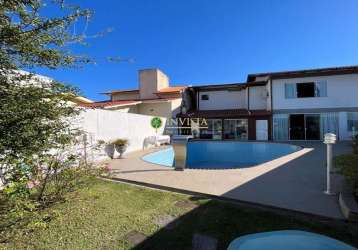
[329, 139]
[179, 143]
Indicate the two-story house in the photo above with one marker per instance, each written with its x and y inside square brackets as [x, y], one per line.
[153, 97]
[306, 104]
[290, 105]
[238, 111]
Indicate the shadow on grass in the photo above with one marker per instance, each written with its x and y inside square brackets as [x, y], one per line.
[226, 221]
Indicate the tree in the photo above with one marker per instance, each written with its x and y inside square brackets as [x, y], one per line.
[29, 39]
[34, 111]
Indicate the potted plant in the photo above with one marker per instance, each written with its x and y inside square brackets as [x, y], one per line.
[121, 146]
[109, 149]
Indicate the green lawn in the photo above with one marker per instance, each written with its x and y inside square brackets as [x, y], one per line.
[99, 217]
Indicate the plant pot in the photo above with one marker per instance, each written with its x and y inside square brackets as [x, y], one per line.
[109, 149]
[120, 149]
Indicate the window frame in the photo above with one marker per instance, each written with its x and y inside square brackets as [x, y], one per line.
[351, 119]
[290, 89]
[204, 97]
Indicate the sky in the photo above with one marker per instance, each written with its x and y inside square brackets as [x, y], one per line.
[210, 41]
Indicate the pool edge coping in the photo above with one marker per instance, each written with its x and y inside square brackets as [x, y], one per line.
[301, 147]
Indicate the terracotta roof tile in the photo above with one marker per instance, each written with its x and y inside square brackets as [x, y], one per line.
[171, 89]
[226, 113]
[306, 72]
[103, 104]
[120, 91]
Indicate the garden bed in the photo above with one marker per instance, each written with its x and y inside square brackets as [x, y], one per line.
[349, 205]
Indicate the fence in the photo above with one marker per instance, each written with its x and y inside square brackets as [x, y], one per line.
[109, 125]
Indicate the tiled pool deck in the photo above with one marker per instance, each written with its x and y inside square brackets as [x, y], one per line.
[294, 182]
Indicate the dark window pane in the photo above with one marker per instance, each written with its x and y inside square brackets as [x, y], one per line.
[204, 97]
[305, 89]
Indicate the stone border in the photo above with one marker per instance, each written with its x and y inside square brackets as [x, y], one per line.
[349, 206]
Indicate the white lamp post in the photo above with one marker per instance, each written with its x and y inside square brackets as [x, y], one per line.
[329, 140]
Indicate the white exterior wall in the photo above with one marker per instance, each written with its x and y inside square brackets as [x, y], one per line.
[109, 125]
[341, 93]
[223, 99]
[341, 97]
[126, 109]
[258, 97]
[125, 96]
[175, 106]
[162, 109]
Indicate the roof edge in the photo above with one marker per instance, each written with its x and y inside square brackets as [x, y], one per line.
[306, 72]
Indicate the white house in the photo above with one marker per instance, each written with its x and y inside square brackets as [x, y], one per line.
[288, 105]
[306, 104]
[237, 111]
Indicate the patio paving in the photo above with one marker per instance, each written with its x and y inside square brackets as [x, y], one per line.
[295, 181]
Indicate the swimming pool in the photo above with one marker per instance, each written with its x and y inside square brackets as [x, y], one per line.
[224, 154]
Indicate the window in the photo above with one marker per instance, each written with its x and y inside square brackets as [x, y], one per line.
[235, 129]
[352, 121]
[321, 89]
[290, 90]
[280, 127]
[306, 89]
[214, 130]
[204, 97]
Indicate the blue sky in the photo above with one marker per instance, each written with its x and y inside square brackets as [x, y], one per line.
[211, 41]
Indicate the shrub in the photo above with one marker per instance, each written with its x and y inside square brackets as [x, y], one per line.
[348, 166]
[23, 200]
[355, 144]
[121, 142]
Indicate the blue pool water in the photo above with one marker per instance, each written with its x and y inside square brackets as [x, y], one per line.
[287, 239]
[224, 154]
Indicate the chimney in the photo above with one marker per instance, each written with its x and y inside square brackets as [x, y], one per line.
[150, 82]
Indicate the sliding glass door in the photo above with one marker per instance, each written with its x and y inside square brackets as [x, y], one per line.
[214, 130]
[236, 129]
[280, 127]
[305, 127]
[313, 131]
[297, 127]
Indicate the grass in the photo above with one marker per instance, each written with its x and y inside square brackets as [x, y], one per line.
[100, 215]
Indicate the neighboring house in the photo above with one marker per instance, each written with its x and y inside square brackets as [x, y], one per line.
[81, 100]
[37, 80]
[291, 105]
[153, 97]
